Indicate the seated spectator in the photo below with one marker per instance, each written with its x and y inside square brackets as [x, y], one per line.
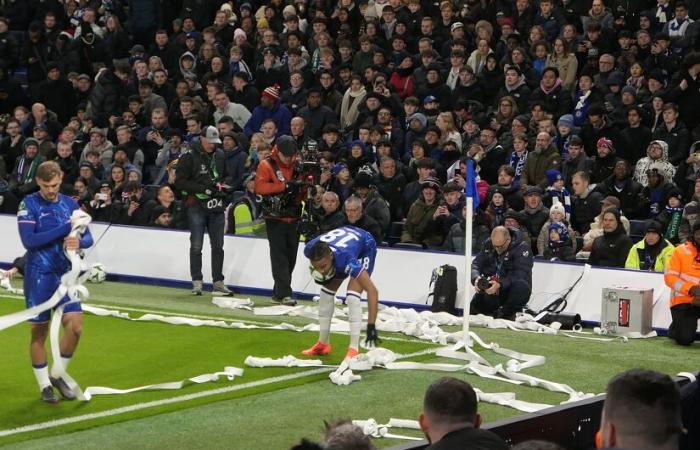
[22, 182]
[101, 207]
[332, 217]
[450, 419]
[657, 190]
[508, 187]
[657, 152]
[535, 213]
[611, 249]
[651, 253]
[341, 183]
[672, 215]
[604, 161]
[585, 203]
[642, 411]
[544, 157]
[373, 204]
[165, 197]
[133, 208]
[575, 161]
[390, 185]
[557, 214]
[556, 192]
[688, 171]
[454, 241]
[559, 247]
[419, 227]
[516, 221]
[356, 217]
[495, 209]
[628, 191]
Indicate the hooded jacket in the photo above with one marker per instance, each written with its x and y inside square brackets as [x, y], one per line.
[640, 170]
[515, 264]
[419, 227]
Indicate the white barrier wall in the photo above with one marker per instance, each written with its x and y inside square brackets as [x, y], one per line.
[402, 276]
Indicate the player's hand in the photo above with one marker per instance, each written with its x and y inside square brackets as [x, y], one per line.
[494, 288]
[372, 338]
[71, 243]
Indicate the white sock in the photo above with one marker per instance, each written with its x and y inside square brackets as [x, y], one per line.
[326, 304]
[354, 317]
[66, 360]
[41, 373]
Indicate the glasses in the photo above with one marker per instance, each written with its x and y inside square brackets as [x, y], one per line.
[384, 113]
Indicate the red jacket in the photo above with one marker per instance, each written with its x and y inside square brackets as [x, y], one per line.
[267, 182]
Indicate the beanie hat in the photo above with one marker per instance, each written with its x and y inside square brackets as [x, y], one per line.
[652, 226]
[561, 230]
[567, 120]
[239, 33]
[272, 92]
[553, 175]
[629, 89]
[605, 142]
[338, 168]
[433, 183]
[557, 207]
[363, 180]
[263, 23]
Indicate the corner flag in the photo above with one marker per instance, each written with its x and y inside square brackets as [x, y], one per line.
[470, 189]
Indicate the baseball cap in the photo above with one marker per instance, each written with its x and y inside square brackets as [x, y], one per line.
[211, 134]
[286, 145]
[532, 190]
[429, 99]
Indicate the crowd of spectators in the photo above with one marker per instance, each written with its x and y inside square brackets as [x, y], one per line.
[581, 116]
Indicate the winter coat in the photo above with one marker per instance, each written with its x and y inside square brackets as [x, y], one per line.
[678, 140]
[538, 163]
[377, 208]
[317, 118]
[515, 264]
[108, 96]
[585, 209]
[557, 103]
[391, 189]
[279, 113]
[632, 203]
[611, 249]
[234, 171]
[640, 170]
[419, 227]
[543, 239]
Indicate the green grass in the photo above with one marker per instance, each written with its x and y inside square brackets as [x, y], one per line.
[118, 353]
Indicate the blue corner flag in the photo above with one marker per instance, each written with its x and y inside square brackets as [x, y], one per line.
[470, 189]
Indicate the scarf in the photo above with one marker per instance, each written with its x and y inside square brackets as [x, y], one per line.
[563, 233]
[662, 13]
[597, 17]
[636, 82]
[31, 170]
[549, 91]
[518, 164]
[498, 212]
[517, 84]
[562, 197]
[582, 99]
[672, 230]
[348, 107]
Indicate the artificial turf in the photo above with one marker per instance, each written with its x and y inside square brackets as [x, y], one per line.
[118, 353]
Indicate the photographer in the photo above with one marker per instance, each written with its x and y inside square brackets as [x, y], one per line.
[502, 275]
[133, 209]
[200, 174]
[278, 181]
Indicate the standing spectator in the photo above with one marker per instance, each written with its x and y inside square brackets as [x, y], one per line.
[270, 108]
[657, 154]
[621, 185]
[535, 213]
[450, 419]
[107, 98]
[419, 227]
[236, 111]
[674, 133]
[36, 53]
[544, 157]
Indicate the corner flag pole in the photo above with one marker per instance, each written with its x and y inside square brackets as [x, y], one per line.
[467, 270]
[471, 193]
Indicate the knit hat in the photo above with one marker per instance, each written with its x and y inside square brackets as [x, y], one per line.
[286, 145]
[358, 143]
[30, 141]
[605, 142]
[561, 230]
[272, 92]
[629, 89]
[239, 33]
[652, 226]
[420, 117]
[338, 168]
[363, 180]
[567, 120]
[553, 175]
[658, 75]
[557, 207]
[263, 23]
[615, 78]
[433, 183]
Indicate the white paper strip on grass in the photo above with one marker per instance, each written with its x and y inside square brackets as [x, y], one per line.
[285, 361]
[233, 303]
[370, 427]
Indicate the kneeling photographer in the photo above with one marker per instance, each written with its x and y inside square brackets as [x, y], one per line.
[199, 174]
[502, 275]
[279, 182]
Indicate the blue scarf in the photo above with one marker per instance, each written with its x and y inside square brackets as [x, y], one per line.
[518, 164]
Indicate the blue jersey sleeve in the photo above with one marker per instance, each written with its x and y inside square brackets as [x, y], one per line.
[31, 238]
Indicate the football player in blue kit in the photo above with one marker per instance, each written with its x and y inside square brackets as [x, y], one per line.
[340, 253]
[44, 220]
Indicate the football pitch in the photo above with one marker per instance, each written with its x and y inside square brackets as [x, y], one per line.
[266, 408]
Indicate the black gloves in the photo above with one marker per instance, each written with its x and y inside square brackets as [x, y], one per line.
[372, 338]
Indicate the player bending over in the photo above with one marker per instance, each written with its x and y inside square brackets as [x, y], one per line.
[335, 255]
[44, 224]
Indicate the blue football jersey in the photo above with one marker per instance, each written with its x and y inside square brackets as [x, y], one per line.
[42, 227]
[354, 250]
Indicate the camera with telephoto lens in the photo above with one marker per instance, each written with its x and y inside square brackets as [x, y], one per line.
[484, 282]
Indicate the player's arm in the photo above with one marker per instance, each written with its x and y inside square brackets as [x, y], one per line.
[31, 239]
[367, 285]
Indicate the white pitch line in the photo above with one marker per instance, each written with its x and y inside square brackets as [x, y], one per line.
[179, 399]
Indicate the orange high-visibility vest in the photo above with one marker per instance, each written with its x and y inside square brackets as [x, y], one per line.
[682, 273]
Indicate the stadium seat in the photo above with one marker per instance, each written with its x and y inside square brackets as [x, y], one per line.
[394, 234]
[637, 230]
